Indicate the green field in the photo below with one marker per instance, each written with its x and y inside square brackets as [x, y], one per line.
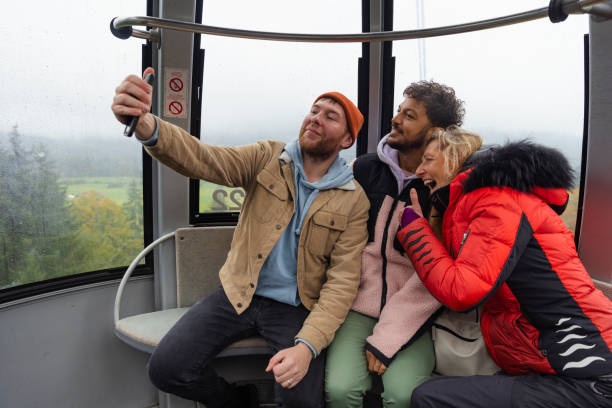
[212, 197]
[114, 188]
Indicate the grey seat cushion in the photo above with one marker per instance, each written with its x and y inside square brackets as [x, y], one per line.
[149, 328]
[145, 331]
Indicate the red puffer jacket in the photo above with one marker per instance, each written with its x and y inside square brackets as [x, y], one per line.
[505, 247]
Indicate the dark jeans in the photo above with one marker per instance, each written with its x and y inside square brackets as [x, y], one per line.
[502, 391]
[180, 363]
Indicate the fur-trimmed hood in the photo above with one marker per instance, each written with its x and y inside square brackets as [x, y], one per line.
[522, 165]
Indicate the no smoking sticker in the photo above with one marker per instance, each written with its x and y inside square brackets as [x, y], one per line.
[175, 108]
[175, 93]
[176, 84]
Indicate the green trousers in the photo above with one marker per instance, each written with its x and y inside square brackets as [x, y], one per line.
[346, 374]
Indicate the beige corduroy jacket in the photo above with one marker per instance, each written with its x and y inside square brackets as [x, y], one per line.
[333, 236]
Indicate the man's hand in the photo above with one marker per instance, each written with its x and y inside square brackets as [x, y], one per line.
[133, 98]
[375, 365]
[290, 365]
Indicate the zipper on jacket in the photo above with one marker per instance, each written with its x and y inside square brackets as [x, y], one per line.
[383, 253]
[463, 241]
[383, 247]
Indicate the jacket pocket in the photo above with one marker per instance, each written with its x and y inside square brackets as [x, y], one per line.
[269, 197]
[529, 335]
[325, 228]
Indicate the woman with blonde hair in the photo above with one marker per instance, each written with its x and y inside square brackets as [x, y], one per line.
[505, 248]
[437, 169]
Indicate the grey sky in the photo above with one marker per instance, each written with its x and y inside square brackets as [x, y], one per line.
[524, 75]
[60, 65]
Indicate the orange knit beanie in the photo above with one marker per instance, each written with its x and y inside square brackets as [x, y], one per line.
[354, 118]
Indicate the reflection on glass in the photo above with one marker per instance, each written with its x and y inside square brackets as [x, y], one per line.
[216, 198]
[521, 81]
[256, 90]
[70, 184]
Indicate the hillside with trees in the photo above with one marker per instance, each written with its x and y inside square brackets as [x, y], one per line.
[70, 206]
[44, 233]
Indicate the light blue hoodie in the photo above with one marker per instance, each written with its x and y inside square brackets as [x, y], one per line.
[278, 275]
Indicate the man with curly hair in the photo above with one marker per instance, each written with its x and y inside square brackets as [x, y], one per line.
[386, 332]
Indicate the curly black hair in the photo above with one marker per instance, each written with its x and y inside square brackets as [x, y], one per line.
[441, 104]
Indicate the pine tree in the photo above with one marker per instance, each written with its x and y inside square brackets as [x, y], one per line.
[14, 223]
[133, 209]
[36, 235]
[4, 211]
[53, 237]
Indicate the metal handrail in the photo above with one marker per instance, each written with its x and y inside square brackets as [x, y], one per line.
[123, 27]
[130, 269]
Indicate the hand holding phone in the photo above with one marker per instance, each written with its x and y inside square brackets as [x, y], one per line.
[132, 121]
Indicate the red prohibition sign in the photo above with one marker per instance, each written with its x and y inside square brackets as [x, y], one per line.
[176, 84]
[175, 107]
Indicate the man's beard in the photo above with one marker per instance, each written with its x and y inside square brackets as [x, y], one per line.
[418, 143]
[321, 151]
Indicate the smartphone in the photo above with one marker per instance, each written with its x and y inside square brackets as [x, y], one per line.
[133, 120]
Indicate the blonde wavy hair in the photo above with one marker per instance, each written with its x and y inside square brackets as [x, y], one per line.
[456, 145]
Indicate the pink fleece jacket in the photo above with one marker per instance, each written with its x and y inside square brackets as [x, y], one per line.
[408, 303]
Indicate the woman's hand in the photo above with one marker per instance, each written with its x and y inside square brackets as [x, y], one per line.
[411, 212]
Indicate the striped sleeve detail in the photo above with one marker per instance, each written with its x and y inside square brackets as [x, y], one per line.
[417, 242]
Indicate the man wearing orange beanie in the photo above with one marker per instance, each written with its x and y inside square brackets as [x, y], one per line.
[354, 118]
[293, 269]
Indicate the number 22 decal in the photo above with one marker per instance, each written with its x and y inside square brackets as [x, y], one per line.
[219, 196]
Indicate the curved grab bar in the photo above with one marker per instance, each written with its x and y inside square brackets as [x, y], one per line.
[131, 268]
[122, 27]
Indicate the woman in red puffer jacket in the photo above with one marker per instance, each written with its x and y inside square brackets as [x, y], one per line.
[506, 248]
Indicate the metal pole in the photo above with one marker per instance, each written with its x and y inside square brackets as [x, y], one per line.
[569, 7]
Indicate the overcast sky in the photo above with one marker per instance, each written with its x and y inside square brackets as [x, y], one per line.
[60, 65]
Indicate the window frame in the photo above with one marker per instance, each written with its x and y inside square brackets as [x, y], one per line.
[197, 218]
[387, 115]
[388, 65]
[585, 144]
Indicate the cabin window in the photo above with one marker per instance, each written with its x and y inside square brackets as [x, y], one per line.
[70, 183]
[520, 81]
[256, 90]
